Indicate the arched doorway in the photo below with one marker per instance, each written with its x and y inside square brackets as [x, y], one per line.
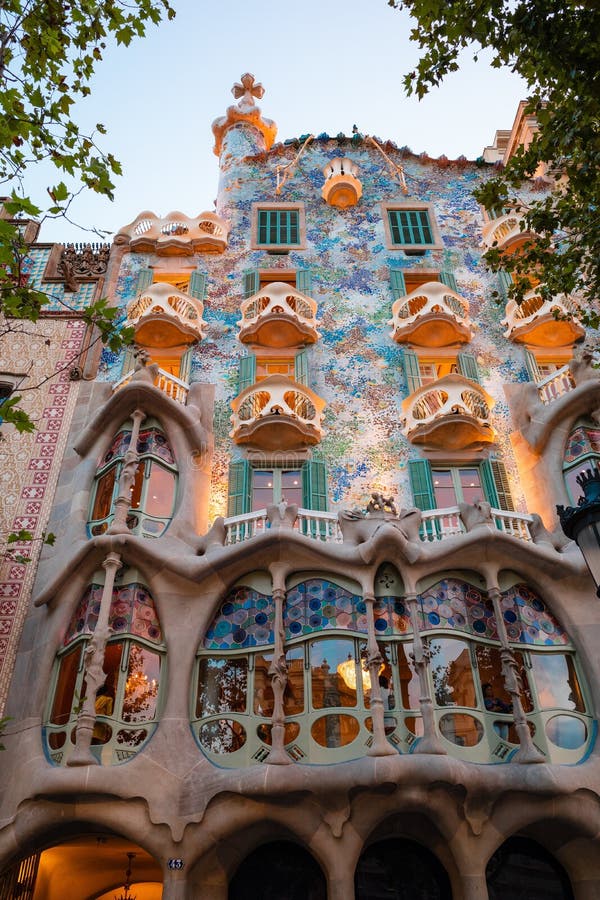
[280, 870]
[89, 867]
[521, 869]
[398, 869]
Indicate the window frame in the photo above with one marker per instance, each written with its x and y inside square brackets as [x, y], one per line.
[436, 242]
[256, 244]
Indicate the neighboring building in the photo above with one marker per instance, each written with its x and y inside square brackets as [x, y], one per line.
[328, 692]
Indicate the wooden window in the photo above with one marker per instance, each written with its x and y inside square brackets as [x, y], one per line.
[410, 226]
[279, 227]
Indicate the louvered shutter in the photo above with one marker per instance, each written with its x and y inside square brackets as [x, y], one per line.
[247, 372]
[505, 282]
[314, 485]
[185, 367]
[301, 367]
[304, 281]
[144, 280]
[397, 283]
[197, 288]
[251, 282]
[501, 484]
[410, 362]
[532, 367]
[449, 280]
[421, 482]
[467, 365]
[240, 488]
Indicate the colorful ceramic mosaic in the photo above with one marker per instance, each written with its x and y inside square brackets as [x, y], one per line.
[318, 605]
[391, 617]
[151, 442]
[581, 442]
[528, 620]
[132, 612]
[460, 606]
[245, 619]
[59, 299]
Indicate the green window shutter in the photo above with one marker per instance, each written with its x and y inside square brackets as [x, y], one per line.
[144, 280]
[410, 362]
[467, 366]
[495, 484]
[532, 367]
[247, 372]
[505, 282]
[197, 288]
[410, 226]
[301, 367]
[314, 485]
[240, 488]
[397, 284]
[185, 367]
[449, 280]
[278, 226]
[421, 483]
[251, 282]
[304, 281]
[128, 360]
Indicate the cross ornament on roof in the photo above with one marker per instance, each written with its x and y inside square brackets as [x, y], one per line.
[247, 91]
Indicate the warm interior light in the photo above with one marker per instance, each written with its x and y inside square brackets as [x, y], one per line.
[347, 671]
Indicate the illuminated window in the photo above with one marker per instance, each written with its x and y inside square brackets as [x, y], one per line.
[274, 485]
[269, 366]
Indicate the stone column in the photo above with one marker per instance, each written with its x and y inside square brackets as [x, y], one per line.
[127, 478]
[527, 752]
[380, 745]
[278, 670]
[421, 655]
[340, 885]
[94, 674]
[474, 886]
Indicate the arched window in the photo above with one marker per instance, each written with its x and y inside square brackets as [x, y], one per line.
[522, 868]
[154, 490]
[328, 695]
[401, 869]
[280, 870]
[582, 451]
[127, 705]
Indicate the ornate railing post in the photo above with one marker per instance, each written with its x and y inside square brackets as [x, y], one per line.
[94, 675]
[421, 655]
[127, 478]
[527, 752]
[278, 670]
[380, 745]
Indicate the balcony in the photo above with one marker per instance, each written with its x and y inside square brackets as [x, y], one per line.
[278, 316]
[504, 231]
[556, 385]
[543, 323]
[173, 387]
[432, 315]
[175, 234]
[277, 414]
[163, 316]
[342, 187]
[451, 414]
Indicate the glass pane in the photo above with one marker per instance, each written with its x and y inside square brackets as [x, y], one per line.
[262, 488]
[470, 484]
[462, 730]
[290, 732]
[112, 665]
[489, 663]
[333, 672]
[64, 692]
[385, 676]
[104, 494]
[566, 731]
[291, 487]
[141, 687]
[335, 731]
[222, 685]
[222, 736]
[452, 675]
[136, 490]
[409, 680]
[294, 693]
[443, 488]
[160, 492]
[556, 681]
[263, 691]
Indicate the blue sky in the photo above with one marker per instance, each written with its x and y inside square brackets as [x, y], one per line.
[324, 65]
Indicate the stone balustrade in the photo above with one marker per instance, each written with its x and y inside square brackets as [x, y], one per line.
[503, 231]
[172, 308]
[278, 316]
[452, 414]
[277, 413]
[543, 323]
[169, 384]
[175, 234]
[432, 315]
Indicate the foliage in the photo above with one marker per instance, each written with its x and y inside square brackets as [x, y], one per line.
[48, 53]
[554, 46]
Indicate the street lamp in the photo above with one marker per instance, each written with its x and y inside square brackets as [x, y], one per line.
[582, 522]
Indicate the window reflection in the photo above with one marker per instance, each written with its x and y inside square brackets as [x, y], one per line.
[294, 692]
[263, 692]
[65, 687]
[141, 686]
[410, 691]
[556, 681]
[222, 685]
[333, 672]
[452, 674]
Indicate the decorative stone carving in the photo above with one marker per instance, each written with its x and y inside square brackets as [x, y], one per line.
[86, 262]
[246, 112]
[379, 505]
[453, 413]
[342, 186]
[541, 535]
[433, 315]
[175, 234]
[282, 515]
[357, 527]
[476, 514]
[277, 414]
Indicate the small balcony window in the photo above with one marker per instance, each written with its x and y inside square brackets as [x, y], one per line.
[411, 227]
[277, 226]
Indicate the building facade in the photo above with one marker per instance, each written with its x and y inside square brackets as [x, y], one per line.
[309, 628]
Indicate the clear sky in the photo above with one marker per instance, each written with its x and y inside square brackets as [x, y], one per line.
[325, 66]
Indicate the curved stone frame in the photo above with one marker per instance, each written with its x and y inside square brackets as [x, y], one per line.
[114, 750]
[591, 457]
[99, 526]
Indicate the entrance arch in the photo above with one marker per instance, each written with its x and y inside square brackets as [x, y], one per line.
[521, 869]
[401, 870]
[280, 870]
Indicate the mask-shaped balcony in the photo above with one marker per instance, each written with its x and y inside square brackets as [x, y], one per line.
[451, 414]
[504, 231]
[278, 316]
[164, 316]
[432, 315]
[277, 413]
[342, 186]
[175, 234]
[543, 323]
